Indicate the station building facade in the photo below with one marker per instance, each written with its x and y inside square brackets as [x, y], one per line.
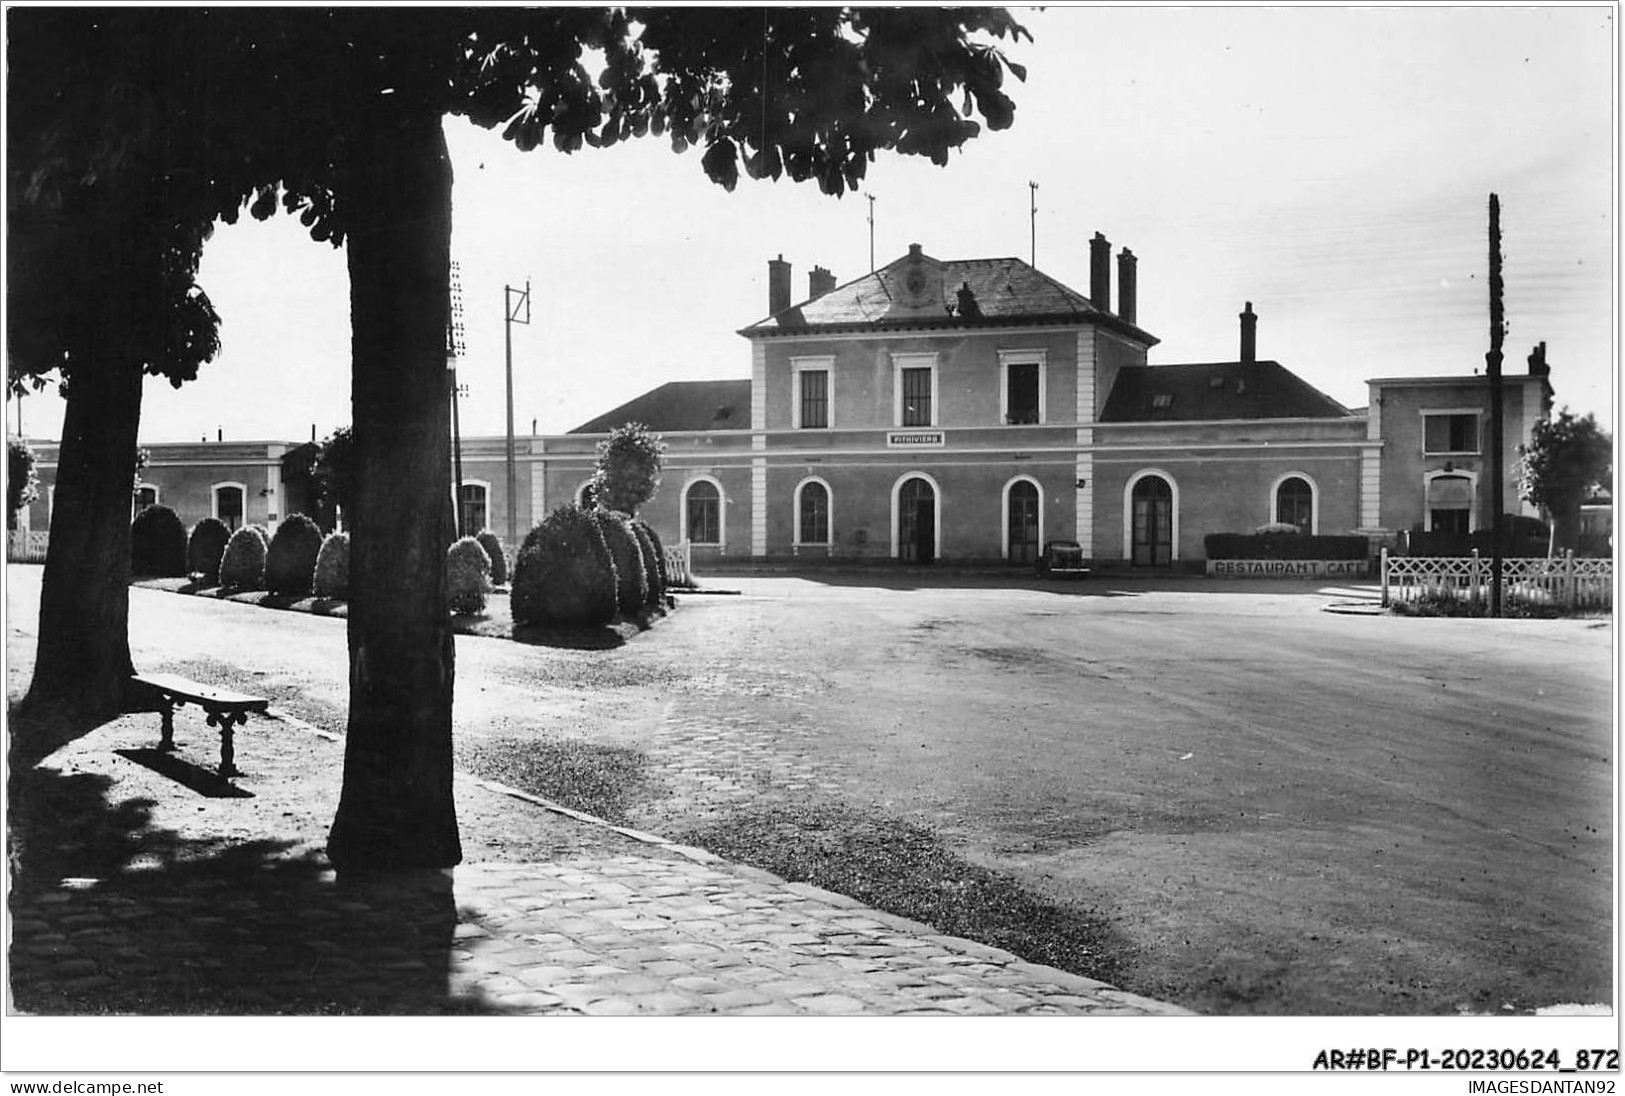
[966, 411]
[972, 410]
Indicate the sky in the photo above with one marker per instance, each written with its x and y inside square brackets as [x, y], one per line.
[1331, 165]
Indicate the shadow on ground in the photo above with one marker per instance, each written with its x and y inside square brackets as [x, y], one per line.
[114, 915]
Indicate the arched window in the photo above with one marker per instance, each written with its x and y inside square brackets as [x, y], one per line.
[228, 503]
[587, 496]
[812, 512]
[1294, 503]
[702, 512]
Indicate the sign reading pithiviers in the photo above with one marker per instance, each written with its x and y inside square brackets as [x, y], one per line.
[1287, 568]
[915, 439]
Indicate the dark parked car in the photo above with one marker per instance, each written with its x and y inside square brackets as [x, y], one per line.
[1061, 557]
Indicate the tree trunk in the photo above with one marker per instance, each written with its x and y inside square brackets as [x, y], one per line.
[83, 659]
[396, 809]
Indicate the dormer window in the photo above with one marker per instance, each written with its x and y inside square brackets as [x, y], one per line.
[1162, 401]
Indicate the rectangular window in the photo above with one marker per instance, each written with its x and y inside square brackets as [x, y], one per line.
[1022, 392]
[814, 399]
[473, 508]
[917, 397]
[1452, 433]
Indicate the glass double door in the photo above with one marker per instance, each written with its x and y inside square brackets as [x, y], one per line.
[1153, 516]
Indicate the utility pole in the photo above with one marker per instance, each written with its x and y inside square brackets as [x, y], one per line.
[1032, 222]
[454, 350]
[871, 198]
[511, 306]
[1493, 361]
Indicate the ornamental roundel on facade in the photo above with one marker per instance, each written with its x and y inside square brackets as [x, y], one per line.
[922, 284]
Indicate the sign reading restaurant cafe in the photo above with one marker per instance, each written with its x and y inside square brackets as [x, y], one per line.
[1287, 568]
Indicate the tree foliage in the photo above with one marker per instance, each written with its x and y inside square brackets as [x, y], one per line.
[1565, 461]
[332, 470]
[132, 131]
[22, 481]
[627, 471]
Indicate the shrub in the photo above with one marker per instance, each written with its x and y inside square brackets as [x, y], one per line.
[563, 573]
[290, 562]
[158, 543]
[656, 596]
[627, 472]
[332, 578]
[205, 547]
[631, 583]
[468, 576]
[243, 565]
[1279, 546]
[661, 571]
[499, 561]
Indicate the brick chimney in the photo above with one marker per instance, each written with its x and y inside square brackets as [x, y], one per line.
[1126, 304]
[1100, 273]
[1249, 334]
[778, 285]
[819, 282]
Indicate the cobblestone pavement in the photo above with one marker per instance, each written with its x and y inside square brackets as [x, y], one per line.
[625, 935]
[169, 900]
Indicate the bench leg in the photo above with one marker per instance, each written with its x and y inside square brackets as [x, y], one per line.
[227, 722]
[167, 712]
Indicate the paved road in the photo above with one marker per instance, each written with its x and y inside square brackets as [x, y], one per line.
[1281, 809]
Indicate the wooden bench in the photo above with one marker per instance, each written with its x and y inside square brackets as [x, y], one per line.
[226, 709]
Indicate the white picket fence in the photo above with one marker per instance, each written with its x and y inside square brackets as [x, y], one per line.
[1564, 581]
[26, 547]
[678, 570]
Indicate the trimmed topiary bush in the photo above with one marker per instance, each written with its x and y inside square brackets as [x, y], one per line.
[242, 567]
[631, 584]
[332, 577]
[290, 561]
[493, 551]
[655, 598]
[660, 553]
[205, 547]
[468, 576]
[564, 574]
[157, 543]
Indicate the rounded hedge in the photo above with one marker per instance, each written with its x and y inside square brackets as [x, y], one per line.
[656, 596]
[660, 554]
[205, 547]
[158, 543]
[564, 573]
[493, 551]
[242, 567]
[332, 577]
[290, 561]
[631, 583]
[468, 576]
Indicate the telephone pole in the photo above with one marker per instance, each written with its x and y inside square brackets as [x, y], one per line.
[511, 308]
[454, 350]
[1497, 410]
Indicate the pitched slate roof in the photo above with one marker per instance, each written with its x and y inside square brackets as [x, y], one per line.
[1215, 391]
[681, 405]
[1007, 292]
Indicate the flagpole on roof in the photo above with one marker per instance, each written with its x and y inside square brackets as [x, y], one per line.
[1032, 215]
